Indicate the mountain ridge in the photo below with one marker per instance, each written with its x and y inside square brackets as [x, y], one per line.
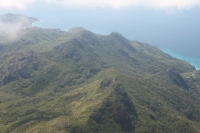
[79, 81]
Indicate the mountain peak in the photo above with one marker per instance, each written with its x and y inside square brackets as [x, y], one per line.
[118, 36]
[115, 34]
[76, 29]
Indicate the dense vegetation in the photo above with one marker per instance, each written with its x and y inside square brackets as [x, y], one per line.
[78, 81]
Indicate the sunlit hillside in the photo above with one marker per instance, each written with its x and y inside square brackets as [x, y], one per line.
[52, 81]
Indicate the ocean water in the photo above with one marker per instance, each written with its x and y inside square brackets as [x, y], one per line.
[189, 54]
[195, 61]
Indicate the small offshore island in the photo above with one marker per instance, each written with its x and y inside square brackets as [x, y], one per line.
[53, 81]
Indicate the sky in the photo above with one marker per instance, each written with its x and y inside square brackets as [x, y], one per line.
[173, 24]
[116, 4]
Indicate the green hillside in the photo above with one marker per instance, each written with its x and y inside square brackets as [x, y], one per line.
[52, 81]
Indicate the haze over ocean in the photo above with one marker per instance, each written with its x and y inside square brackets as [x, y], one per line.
[183, 51]
[195, 61]
[171, 24]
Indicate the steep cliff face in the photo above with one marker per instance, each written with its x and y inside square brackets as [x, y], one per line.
[20, 66]
[177, 78]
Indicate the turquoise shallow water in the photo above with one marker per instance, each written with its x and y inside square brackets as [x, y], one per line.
[195, 61]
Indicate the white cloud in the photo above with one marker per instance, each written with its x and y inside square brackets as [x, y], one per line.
[20, 4]
[9, 30]
[12, 29]
[116, 4]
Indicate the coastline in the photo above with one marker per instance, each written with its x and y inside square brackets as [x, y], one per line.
[31, 25]
[35, 22]
[192, 60]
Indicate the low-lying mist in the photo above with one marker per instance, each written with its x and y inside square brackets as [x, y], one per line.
[11, 25]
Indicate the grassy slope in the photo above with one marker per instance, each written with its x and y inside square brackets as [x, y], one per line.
[63, 93]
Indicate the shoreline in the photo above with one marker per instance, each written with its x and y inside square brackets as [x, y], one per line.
[35, 22]
[190, 60]
[31, 25]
